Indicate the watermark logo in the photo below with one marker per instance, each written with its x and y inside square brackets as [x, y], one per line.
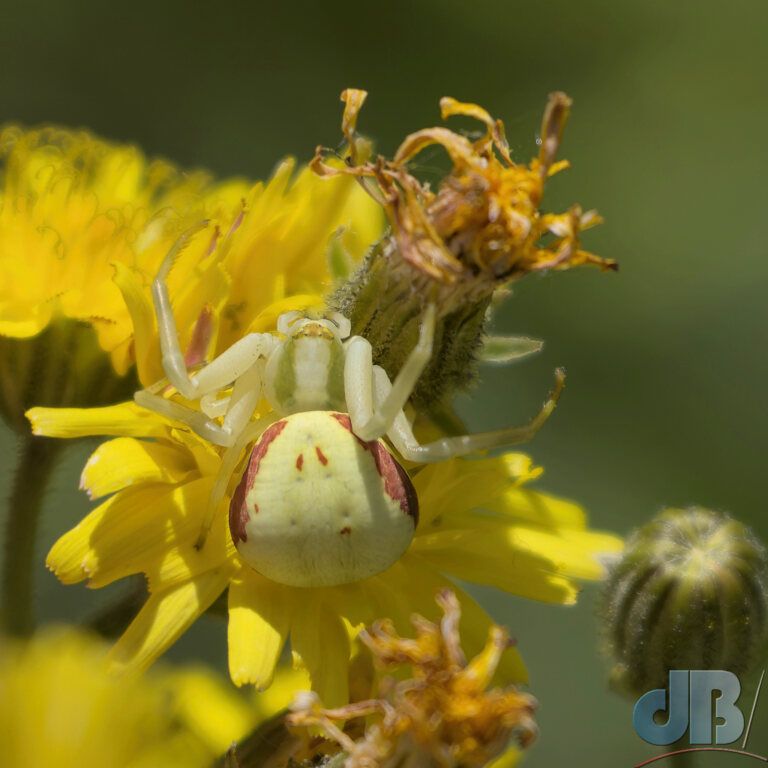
[701, 702]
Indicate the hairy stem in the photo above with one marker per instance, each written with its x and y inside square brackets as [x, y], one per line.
[37, 459]
[271, 745]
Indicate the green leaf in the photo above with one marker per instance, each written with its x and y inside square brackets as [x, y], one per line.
[502, 350]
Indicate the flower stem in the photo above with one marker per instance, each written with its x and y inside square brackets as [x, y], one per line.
[270, 745]
[37, 458]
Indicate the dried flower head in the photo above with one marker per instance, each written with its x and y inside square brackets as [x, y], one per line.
[444, 715]
[480, 229]
[483, 223]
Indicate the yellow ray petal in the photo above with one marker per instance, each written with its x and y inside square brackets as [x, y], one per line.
[496, 560]
[125, 461]
[573, 553]
[183, 561]
[539, 508]
[31, 321]
[206, 704]
[196, 281]
[266, 320]
[319, 638]
[509, 759]
[146, 343]
[164, 617]
[577, 554]
[466, 484]
[280, 694]
[147, 529]
[126, 419]
[259, 619]
[415, 576]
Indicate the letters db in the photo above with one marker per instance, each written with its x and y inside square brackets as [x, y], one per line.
[704, 700]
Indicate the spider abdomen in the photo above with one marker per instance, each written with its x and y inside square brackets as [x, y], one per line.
[317, 506]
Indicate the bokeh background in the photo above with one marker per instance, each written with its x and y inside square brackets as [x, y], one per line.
[667, 360]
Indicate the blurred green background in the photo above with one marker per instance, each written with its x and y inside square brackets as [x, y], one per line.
[667, 360]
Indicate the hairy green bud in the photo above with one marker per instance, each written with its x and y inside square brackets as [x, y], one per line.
[385, 301]
[689, 592]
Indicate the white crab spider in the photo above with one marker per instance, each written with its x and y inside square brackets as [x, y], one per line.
[322, 501]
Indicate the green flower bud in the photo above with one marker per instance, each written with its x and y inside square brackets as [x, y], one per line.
[689, 592]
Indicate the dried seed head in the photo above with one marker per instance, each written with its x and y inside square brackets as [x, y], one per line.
[445, 715]
[689, 592]
[480, 229]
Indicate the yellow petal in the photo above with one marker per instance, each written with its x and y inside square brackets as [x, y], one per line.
[146, 343]
[196, 281]
[467, 484]
[415, 577]
[148, 529]
[281, 693]
[24, 322]
[509, 759]
[319, 638]
[577, 554]
[209, 707]
[72, 558]
[164, 618]
[125, 461]
[539, 508]
[450, 107]
[266, 320]
[126, 419]
[259, 619]
[498, 559]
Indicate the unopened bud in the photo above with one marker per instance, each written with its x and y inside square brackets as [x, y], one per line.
[689, 592]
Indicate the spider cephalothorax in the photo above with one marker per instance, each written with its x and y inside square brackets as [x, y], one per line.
[322, 500]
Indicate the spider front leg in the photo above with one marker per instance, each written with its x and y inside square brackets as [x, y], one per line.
[236, 409]
[227, 367]
[408, 446]
[229, 461]
[238, 364]
[371, 419]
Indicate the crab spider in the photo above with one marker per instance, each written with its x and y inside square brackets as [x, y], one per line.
[321, 382]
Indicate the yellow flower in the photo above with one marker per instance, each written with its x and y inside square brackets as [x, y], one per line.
[59, 706]
[444, 715]
[84, 226]
[71, 207]
[237, 276]
[479, 522]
